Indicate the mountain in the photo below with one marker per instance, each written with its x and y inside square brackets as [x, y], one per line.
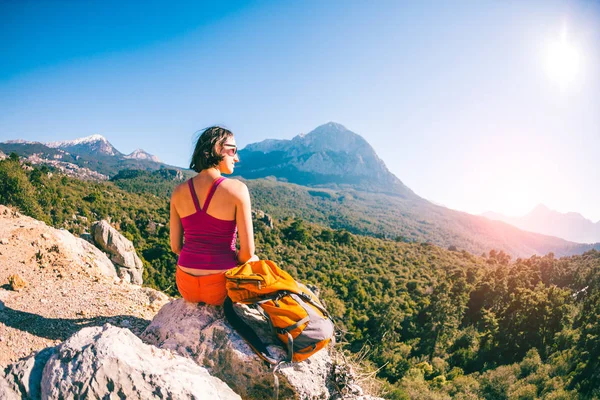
[569, 226]
[140, 154]
[90, 145]
[92, 153]
[328, 156]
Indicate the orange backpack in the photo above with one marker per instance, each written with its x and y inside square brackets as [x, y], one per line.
[296, 315]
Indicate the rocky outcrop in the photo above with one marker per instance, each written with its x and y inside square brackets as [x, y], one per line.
[199, 332]
[121, 251]
[106, 362]
[77, 250]
[265, 218]
[71, 284]
[196, 355]
[85, 252]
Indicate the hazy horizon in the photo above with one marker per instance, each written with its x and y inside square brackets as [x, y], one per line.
[486, 106]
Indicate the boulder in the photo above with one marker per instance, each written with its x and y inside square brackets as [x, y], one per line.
[201, 333]
[85, 253]
[121, 251]
[109, 362]
[22, 379]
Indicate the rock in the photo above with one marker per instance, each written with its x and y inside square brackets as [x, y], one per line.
[4, 241]
[155, 295]
[263, 217]
[87, 237]
[16, 283]
[110, 362]
[23, 378]
[6, 392]
[121, 251]
[200, 333]
[84, 252]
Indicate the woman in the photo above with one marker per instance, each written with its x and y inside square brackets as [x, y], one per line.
[206, 212]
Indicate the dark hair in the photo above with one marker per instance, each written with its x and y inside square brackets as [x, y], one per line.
[205, 153]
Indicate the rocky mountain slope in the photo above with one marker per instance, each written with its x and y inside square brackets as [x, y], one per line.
[330, 155]
[82, 157]
[67, 284]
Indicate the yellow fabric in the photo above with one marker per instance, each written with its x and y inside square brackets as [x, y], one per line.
[249, 281]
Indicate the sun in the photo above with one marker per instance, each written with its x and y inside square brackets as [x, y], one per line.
[563, 61]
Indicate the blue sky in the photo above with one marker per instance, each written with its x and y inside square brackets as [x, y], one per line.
[469, 103]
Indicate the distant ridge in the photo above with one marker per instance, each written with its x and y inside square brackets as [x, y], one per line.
[87, 139]
[88, 145]
[93, 153]
[569, 226]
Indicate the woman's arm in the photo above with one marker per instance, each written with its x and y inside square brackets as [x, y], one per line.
[176, 234]
[243, 219]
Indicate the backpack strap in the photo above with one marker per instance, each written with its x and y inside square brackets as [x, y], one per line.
[194, 196]
[213, 188]
[247, 333]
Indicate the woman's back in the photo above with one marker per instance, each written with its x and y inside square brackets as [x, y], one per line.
[209, 231]
[222, 205]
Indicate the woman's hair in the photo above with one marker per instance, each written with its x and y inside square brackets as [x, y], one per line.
[205, 153]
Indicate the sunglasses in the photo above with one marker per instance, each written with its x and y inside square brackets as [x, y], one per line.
[231, 151]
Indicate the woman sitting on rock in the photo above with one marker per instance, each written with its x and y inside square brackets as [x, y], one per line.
[206, 212]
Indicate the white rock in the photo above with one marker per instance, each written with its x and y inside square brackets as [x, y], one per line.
[106, 362]
[200, 333]
[85, 252]
[23, 378]
[121, 251]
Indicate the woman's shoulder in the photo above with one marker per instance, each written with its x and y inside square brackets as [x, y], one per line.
[179, 189]
[234, 186]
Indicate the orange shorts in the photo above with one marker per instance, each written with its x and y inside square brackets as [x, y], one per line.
[209, 289]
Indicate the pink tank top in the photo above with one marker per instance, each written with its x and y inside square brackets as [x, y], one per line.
[208, 242]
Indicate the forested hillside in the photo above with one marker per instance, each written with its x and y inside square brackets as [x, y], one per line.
[435, 323]
[393, 217]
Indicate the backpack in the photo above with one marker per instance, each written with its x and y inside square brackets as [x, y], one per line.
[297, 317]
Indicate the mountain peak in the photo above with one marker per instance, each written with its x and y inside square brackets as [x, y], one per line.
[331, 125]
[94, 144]
[330, 155]
[140, 154]
[330, 128]
[540, 208]
[75, 142]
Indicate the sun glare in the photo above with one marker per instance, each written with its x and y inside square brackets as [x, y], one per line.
[563, 61]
